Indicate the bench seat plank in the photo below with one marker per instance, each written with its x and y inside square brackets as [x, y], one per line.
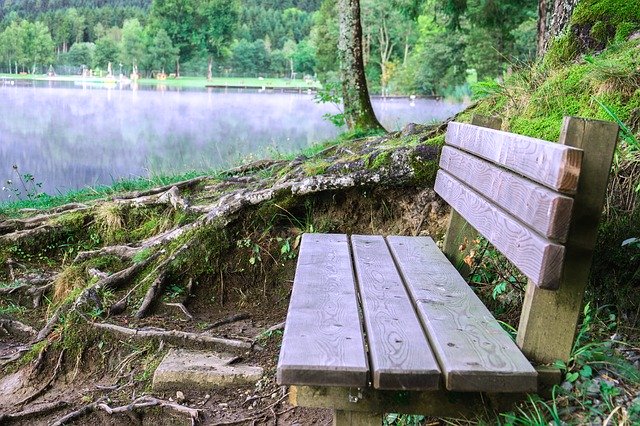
[553, 165]
[538, 258]
[545, 211]
[474, 352]
[398, 348]
[323, 342]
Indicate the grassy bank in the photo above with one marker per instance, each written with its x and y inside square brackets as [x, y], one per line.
[185, 82]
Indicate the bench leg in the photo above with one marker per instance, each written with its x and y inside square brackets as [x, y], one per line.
[356, 418]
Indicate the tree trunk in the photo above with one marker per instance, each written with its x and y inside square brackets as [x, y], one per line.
[553, 17]
[210, 68]
[357, 104]
[177, 67]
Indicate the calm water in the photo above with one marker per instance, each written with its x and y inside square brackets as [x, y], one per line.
[70, 136]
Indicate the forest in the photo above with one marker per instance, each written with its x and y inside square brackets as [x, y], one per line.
[431, 47]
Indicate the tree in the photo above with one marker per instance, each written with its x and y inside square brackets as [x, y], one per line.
[303, 58]
[216, 21]
[553, 17]
[133, 43]
[106, 50]
[358, 111]
[81, 54]
[38, 45]
[161, 51]
[177, 18]
[12, 44]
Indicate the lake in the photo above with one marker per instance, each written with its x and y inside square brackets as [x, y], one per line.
[71, 136]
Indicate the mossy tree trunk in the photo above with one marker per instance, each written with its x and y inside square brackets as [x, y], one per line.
[358, 111]
[553, 18]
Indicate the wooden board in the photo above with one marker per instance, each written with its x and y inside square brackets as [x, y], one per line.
[432, 403]
[550, 164]
[549, 318]
[536, 257]
[398, 349]
[474, 352]
[323, 342]
[546, 211]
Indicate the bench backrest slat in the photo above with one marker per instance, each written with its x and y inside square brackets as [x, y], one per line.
[545, 211]
[553, 165]
[400, 355]
[538, 258]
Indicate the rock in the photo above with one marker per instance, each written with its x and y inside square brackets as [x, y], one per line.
[183, 369]
[179, 397]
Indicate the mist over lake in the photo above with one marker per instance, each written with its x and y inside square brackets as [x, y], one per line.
[70, 136]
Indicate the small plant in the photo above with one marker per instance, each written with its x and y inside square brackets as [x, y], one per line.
[25, 188]
[330, 93]
[403, 419]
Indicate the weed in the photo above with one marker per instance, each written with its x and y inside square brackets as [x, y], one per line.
[26, 187]
[403, 419]
[331, 93]
[12, 309]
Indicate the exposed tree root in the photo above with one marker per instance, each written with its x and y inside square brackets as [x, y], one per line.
[138, 404]
[269, 330]
[16, 327]
[35, 292]
[13, 225]
[33, 412]
[16, 355]
[180, 185]
[228, 320]
[183, 308]
[176, 336]
[112, 282]
[171, 196]
[155, 291]
[123, 252]
[47, 385]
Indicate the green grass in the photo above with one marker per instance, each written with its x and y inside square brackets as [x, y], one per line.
[44, 201]
[191, 82]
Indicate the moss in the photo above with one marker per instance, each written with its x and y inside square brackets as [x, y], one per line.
[424, 162]
[315, 166]
[611, 12]
[379, 160]
[598, 22]
[562, 50]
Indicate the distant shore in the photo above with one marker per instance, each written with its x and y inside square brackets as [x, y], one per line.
[193, 82]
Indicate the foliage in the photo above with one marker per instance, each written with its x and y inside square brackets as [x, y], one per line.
[25, 188]
[596, 379]
[330, 93]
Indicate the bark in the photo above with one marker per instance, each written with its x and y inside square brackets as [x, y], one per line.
[358, 111]
[553, 17]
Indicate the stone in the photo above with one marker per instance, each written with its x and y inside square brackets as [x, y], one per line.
[179, 397]
[185, 369]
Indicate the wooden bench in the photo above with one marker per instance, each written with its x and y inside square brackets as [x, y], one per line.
[389, 325]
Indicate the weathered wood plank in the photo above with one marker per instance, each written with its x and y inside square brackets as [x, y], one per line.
[356, 418]
[549, 319]
[398, 349]
[553, 165]
[474, 352]
[545, 211]
[433, 403]
[458, 240]
[536, 257]
[323, 342]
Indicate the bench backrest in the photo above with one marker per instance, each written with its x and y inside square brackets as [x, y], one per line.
[539, 203]
[511, 189]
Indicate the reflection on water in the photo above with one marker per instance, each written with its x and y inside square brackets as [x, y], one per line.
[73, 136]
